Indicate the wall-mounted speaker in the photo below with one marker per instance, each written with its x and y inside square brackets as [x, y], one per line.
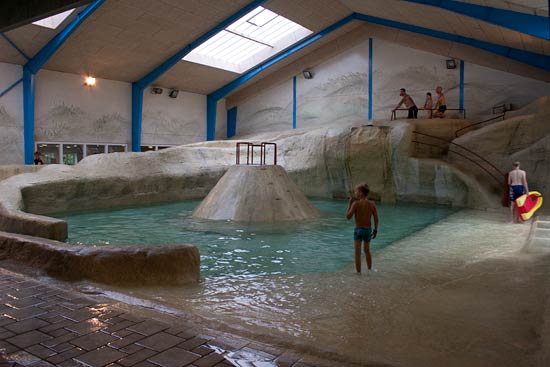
[307, 74]
[156, 90]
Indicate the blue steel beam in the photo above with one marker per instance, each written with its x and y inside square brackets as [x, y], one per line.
[14, 46]
[294, 104]
[153, 75]
[6, 91]
[34, 65]
[461, 100]
[53, 45]
[534, 25]
[526, 57]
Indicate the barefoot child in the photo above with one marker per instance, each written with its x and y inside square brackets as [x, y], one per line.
[363, 209]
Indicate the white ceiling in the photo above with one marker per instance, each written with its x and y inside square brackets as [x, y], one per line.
[125, 39]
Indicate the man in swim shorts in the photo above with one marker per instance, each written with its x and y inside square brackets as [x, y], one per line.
[440, 105]
[363, 209]
[409, 103]
[517, 180]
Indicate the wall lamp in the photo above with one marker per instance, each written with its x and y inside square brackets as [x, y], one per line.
[89, 81]
[307, 74]
[156, 90]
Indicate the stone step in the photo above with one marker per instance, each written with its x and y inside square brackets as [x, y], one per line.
[542, 232]
[543, 224]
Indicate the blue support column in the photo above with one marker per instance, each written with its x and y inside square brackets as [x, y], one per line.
[232, 122]
[137, 109]
[370, 79]
[211, 105]
[461, 102]
[28, 115]
[294, 102]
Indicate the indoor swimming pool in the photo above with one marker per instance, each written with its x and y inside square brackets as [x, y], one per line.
[227, 248]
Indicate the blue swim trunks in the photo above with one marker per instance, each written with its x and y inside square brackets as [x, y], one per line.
[362, 234]
[516, 191]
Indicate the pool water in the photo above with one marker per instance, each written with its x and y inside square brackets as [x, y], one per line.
[228, 248]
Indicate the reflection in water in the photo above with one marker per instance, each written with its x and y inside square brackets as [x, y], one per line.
[227, 248]
[444, 296]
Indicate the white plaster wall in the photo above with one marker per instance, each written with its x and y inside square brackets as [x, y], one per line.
[485, 88]
[419, 72]
[11, 115]
[271, 110]
[68, 111]
[338, 92]
[172, 121]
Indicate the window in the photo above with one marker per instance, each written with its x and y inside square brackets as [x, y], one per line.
[147, 148]
[248, 41]
[72, 153]
[54, 21]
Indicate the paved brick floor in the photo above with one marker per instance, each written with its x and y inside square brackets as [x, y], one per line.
[41, 325]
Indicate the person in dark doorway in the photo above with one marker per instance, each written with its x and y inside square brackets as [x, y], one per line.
[38, 158]
[363, 209]
[409, 103]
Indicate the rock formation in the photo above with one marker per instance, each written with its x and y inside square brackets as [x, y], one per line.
[256, 194]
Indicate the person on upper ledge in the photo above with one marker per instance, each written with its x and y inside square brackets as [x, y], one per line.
[428, 104]
[409, 103]
[440, 105]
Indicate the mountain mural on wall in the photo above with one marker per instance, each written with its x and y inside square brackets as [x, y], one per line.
[65, 122]
[159, 126]
[11, 139]
[341, 97]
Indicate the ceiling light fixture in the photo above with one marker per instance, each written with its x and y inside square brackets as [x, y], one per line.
[89, 81]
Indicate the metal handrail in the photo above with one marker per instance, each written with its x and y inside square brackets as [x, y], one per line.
[463, 147]
[462, 155]
[503, 116]
[250, 152]
[394, 115]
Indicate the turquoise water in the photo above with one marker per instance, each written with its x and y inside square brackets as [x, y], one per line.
[227, 248]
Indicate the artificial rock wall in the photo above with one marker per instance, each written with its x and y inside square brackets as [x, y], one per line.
[68, 111]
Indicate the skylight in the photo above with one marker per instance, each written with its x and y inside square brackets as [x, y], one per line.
[248, 41]
[54, 21]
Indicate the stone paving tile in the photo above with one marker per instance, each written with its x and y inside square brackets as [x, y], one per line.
[25, 302]
[137, 357]
[28, 339]
[202, 350]
[127, 340]
[81, 314]
[20, 327]
[66, 355]
[100, 357]
[120, 326]
[24, 358]
[59, 340]
[149, 327]
[160, 341]
[94, 340]
[192, 343]
[132, 348]
[87, 326]
[7, 334]
[209, 360]
[174, 357]
[41, 351]
[46, 326]
[25, 313]
[146, 364]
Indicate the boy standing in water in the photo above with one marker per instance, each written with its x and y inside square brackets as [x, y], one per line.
[363, 209]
